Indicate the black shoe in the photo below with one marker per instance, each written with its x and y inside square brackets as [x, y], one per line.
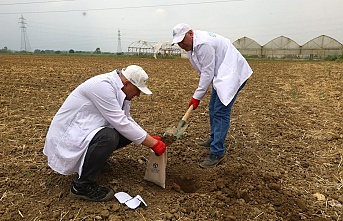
[92, 192]
[207, 143]
[212, 161]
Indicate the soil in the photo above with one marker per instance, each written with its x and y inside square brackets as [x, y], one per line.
[284, 148]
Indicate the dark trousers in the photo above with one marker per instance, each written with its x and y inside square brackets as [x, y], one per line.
[99, 150]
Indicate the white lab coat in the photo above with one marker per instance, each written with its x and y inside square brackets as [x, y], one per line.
[219, 63]
[98, 102]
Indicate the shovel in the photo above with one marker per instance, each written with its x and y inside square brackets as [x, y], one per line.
[180, 129]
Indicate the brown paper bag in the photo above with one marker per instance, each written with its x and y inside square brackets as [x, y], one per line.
[156, 169]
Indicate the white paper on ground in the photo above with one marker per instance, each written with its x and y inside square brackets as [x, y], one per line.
[141, 199]
[122, 197]
[132, 203]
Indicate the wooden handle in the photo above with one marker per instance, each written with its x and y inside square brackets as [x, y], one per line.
[185, 117]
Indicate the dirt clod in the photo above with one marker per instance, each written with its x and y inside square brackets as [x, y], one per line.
[168, 139]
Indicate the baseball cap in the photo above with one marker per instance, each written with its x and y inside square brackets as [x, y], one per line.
[179, 32]
[137, 76]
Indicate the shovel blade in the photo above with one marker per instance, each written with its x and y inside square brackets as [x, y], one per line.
[176, 131]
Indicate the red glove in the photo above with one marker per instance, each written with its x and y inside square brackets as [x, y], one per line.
[195, 103]
[159, 148]
[157, 137]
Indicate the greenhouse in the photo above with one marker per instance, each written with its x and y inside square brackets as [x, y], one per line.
[165, 48]
[280, 47]
[140, 48]
[321, 47]
[248, 47]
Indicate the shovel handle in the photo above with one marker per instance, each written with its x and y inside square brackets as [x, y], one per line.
[185, 117]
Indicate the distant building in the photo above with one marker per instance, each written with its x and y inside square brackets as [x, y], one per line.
[165, 48]
[321, 47]
[248, 47]
[280, 47]
[284, 47]
[141, 48]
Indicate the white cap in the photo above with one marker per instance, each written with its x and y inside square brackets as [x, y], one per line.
[138, 77]
[179, 32]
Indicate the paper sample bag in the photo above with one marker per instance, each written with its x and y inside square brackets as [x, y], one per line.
[156, 169]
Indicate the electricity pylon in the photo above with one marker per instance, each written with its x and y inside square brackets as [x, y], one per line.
[25, 44]
[119, 51]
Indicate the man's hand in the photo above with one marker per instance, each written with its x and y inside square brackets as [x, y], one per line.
[157, 137]
[159, 148]
[195, 103]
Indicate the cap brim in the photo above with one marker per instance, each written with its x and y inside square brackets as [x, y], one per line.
[178, 39]
[145, 90]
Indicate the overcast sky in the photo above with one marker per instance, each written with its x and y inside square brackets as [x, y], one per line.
[88, 24]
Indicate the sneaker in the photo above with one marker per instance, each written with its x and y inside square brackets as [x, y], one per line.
[92, 192]
[212, 161]
[207, 143]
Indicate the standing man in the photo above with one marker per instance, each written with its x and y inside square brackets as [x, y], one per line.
[93, 122]
[220, 64]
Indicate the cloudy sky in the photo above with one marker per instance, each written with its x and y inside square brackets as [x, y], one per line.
[89, 24]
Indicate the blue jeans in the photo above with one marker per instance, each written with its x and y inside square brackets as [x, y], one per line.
[219, 122]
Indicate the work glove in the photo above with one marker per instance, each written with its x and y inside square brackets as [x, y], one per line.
[157, 137]
[159, 148]
[195, 103]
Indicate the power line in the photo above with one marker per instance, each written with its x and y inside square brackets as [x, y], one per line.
[29, 3]
[120, 8]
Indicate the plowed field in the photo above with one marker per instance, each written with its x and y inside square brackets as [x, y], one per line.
[284, 148]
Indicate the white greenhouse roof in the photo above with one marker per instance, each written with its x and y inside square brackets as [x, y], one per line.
[245, 42]
[281, 42]
[322, 42]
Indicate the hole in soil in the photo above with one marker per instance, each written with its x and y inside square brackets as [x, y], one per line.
[187, 185]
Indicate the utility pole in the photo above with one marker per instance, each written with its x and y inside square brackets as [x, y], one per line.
[119, 51]
[25, 44]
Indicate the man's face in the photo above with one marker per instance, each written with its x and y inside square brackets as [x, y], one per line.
[187, 42]
[130, 90]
